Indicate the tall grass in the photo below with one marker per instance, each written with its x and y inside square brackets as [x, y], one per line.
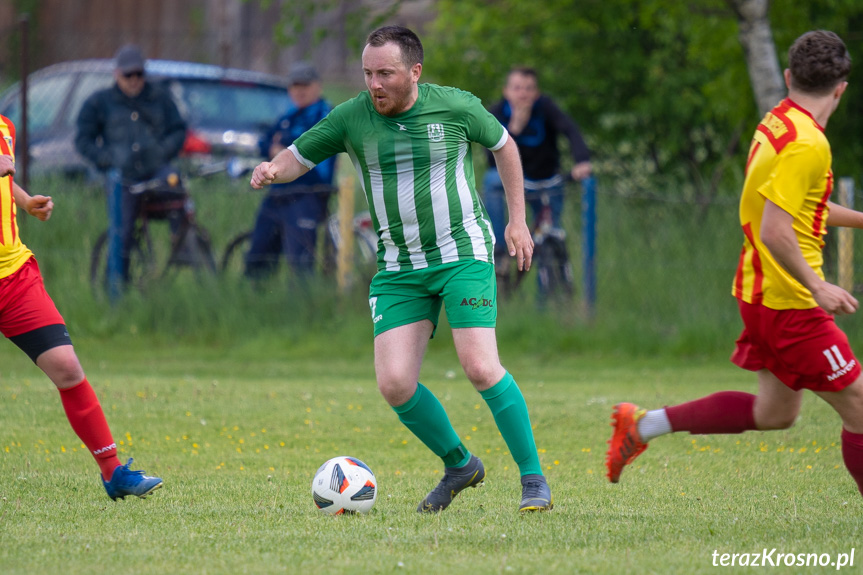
[664, 273]
[185, 305]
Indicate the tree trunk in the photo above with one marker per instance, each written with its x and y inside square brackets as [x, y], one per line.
[761, 60]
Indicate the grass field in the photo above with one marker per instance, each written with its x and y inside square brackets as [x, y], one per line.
[237, 432]
[235, 396]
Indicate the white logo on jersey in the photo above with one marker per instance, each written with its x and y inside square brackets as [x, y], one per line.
[435, 132]
[837, 363]
[401, 127]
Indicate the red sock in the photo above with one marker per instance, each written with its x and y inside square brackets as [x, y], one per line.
[88, 421]
[852, 453]
[723, 412]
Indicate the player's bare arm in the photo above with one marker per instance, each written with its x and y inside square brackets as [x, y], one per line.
[842, 217]
[283, 168]
[778, 235]
[519, 242]
[37, 206]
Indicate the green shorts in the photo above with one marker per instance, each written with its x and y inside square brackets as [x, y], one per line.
[467, 288]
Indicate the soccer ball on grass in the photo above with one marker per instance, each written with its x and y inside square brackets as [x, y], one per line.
[344, 485]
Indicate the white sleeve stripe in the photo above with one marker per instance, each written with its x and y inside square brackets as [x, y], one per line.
[300, 158]
[500, 142]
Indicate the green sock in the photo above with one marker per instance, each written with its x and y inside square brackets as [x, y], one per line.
[510, 413]
[424, 415]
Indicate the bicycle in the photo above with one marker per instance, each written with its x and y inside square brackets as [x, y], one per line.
[164, 198]
[365, 244]
[551, 259]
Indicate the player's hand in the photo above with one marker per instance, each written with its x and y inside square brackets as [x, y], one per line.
[519, 242]
[7, 166]
[264, 174]
[835, 300]
[40, 207]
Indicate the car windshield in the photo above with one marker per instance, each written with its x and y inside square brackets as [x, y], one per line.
[88, 83]
[212, 104]
[45, 101]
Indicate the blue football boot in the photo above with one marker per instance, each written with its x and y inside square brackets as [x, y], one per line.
[127, 482]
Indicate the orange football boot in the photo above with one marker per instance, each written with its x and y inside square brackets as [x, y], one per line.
[625, 443]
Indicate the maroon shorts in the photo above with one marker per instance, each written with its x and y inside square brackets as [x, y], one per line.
[804, 348]
[24, 304]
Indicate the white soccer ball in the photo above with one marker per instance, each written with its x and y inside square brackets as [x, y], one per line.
[344, 485]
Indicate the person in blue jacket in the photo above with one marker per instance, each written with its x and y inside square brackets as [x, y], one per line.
[536, 123]
[288, 218]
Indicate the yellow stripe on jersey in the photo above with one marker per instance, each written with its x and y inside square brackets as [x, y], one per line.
[13, 253]
[790, 165]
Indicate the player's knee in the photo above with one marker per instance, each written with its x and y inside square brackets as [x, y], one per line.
[67, 375]
[775, 421]
[395, 390]
[480, 374]
[61, 366]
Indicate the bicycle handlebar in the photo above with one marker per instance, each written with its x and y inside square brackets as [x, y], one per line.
[169, 183]
[300, 189]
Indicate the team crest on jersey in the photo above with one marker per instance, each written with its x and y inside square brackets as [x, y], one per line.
[776, 126]
[435, 132]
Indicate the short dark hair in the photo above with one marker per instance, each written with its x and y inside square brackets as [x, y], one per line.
[408, 42]
[524, 71]
[818, 61]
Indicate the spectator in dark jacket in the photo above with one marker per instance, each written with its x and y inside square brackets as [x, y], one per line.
[536, 123]
[130, 131]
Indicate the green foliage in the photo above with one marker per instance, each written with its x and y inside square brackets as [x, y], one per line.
[308, 22]
[652, 84]
[662, 88]
[845, 17]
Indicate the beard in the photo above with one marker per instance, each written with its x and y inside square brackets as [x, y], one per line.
[396, 99]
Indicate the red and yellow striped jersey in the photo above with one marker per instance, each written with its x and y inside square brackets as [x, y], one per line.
[790, 165]
[13, 253]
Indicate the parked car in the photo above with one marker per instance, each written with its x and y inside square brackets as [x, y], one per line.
[227, 110]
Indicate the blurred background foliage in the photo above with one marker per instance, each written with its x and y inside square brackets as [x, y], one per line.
[660, 89]
[663, 97]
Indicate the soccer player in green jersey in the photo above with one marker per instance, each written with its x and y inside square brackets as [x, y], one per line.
[410, 144]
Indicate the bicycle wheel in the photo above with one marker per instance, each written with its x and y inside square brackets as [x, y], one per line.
[365, 256]
[508, 275]
[141, 263]
[554, 270]
[233, 261]
[192, 249]
[366, 252]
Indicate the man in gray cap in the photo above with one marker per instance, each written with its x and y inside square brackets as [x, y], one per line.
[130, 132]
[289, 216]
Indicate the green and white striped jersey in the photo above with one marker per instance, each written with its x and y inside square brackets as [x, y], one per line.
[416, 170]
